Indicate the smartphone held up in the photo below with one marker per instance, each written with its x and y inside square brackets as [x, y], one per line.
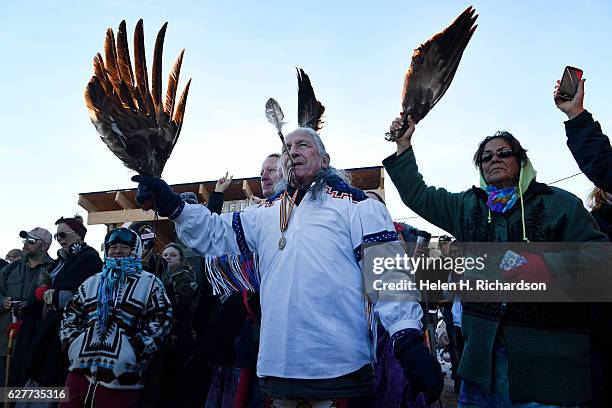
[569, 83]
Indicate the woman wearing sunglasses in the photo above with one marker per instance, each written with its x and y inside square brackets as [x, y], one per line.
[38, 347]
[516, 354]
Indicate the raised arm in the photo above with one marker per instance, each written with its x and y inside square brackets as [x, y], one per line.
[589, 146]
[206, 233]
[436, 205]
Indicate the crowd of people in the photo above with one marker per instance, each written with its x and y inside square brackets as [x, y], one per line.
[278, 314]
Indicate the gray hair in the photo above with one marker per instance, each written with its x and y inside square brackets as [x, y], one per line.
[315, 136]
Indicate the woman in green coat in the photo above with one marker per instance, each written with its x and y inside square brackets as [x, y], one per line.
[515, 353]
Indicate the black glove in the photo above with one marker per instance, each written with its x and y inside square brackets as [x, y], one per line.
[420, 367]
[165, 201]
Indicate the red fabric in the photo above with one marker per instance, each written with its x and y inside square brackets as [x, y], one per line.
[535, 270]
[244, 385]
[13, 329]
[78, 385]
[40, 291]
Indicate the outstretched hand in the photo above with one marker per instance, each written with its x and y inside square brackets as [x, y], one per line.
[223, 183]
[155, 193]
[405, 140]
[574, 107]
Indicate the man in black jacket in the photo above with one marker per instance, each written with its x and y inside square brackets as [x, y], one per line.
[18, 282]
[592, 151]
[589, 146]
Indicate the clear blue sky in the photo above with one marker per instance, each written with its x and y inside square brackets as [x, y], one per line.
[240, 53]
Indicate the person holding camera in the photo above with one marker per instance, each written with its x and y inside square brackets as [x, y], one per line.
[589, 146]
[592, 151]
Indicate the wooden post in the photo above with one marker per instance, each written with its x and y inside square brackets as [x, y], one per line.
[247, 189]
[123, 201]
[87, 205]
[203, 193]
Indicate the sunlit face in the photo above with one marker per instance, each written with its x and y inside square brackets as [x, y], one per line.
[172, 257]
[269, 175]
[65, 236]
[500, 172]
[306, 157]
[119, 251]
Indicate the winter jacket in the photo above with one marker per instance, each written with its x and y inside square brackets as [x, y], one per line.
[38, 349]
[140, 320]
[18, 281]
[591, 149]
[181, 288]
[547, 343]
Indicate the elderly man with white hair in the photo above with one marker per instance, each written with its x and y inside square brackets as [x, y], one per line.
[315, 345]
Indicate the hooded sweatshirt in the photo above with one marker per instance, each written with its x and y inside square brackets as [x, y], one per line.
[548, 348]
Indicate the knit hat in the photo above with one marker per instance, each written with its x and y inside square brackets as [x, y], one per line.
[75, 224]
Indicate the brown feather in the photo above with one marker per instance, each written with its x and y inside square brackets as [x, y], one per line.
[140, 66]
[433, 67]
[110, 54]
[101, 73]
[310, 110]
[123, 56]
[173, 79]
[156, 72]
[180, 108]
[127, 97]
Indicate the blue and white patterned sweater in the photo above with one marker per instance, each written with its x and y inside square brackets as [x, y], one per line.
[139, 321]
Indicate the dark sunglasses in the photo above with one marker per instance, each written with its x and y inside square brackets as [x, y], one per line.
[30, 241]
[62, 235]
[502, 154]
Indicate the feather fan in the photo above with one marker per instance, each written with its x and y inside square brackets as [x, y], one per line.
[310, 110]
[127, 112]
[432, 69]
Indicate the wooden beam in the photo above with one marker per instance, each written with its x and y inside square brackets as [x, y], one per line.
[203, 193]
[123, 201]
[120, 216]
[86, 204]
[247, 189]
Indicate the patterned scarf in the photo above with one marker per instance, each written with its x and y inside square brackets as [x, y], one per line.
[114, 273]
[500, 201]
